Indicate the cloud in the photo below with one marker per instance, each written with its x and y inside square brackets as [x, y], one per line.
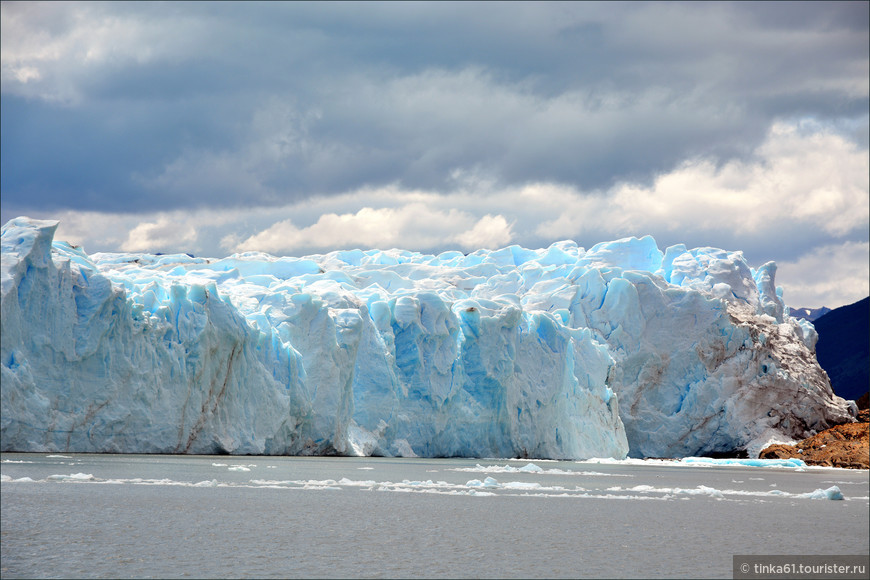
[491, 231]
[171, 106]
[164, 234]
[817, 180]
[414, 225]
[168, 232]
[727, 46]
[58, 51]
[831, 276]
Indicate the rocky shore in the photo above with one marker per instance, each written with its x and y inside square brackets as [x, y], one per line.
[846, 445]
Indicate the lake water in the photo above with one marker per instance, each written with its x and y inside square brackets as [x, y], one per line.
[218, 516]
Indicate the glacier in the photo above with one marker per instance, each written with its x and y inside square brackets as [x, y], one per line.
[561, 353]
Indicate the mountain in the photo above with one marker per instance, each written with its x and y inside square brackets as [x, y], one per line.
[843, 349]
[809, 314]
[561, 352]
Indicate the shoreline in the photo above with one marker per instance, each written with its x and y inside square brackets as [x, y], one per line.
[846, 446]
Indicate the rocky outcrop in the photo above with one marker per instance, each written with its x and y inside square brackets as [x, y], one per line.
[840, 446]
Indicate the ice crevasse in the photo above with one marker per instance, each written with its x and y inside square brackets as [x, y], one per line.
[565, 353]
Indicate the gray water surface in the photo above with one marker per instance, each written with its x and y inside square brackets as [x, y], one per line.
[216, 516]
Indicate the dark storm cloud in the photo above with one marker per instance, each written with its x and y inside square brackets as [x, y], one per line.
[149, 106]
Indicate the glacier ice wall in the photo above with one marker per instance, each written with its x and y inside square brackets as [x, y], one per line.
[553, 353]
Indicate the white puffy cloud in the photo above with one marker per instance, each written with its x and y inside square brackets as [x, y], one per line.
[164, 234]
[831, 276]
[170, 231]
[95, 231]
[820, 180]
[491, 231]
[414, 225]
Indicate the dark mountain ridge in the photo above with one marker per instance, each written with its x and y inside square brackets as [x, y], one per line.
[810, 314]
[843, 350]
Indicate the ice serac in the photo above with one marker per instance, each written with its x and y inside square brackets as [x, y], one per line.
[551, 353]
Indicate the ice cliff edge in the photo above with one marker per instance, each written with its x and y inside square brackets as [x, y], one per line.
[553, 353]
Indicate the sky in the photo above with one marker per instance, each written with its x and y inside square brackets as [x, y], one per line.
[300, 128]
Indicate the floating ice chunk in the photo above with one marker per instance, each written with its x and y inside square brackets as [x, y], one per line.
[521, 485]
[428, 482]
[703, 489]
[832, 492]
[72, 477]
[530, 468]
[535, 469]
[7, 479]
[700, 490]
[702, 461]
[488, 482]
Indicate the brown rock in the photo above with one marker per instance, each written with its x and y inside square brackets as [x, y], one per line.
[778, 451]
[845, 445]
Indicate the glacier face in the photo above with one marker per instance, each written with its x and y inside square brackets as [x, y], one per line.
[553, 353]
